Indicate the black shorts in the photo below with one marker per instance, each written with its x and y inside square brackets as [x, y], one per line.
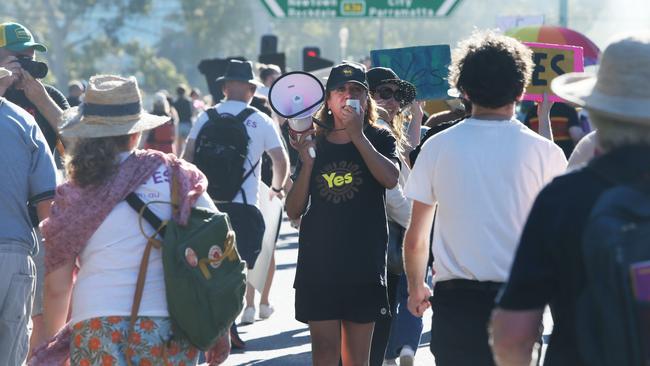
[248, 224]
[355, 303]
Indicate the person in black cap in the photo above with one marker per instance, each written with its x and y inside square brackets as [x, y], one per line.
[340, 277]
[239, 85]
[395, 95]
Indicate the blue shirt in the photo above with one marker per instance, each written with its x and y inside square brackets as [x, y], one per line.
[28, 173]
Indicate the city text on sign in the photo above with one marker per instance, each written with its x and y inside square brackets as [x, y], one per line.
[360, 8]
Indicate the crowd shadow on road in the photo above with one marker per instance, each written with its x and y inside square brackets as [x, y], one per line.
[291, 245]
[277, 341]
[286, 236]
[425, 339]
[281, 267]
[286, 360]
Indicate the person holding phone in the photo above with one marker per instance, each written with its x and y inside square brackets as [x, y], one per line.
[340, 277]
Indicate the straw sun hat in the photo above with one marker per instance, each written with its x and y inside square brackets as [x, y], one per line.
[620, 87]
[112, 107]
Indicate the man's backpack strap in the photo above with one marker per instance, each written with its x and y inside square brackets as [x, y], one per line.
[139, 206]
[248, 174]
[243, 115]
[213, 114]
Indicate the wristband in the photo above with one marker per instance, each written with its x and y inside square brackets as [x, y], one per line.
[276, 190]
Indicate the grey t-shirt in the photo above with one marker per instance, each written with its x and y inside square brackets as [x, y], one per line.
[28, 174]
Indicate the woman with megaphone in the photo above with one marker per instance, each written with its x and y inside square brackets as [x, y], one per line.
[340, 277]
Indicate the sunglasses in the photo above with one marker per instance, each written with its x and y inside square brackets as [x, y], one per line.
[387, 93]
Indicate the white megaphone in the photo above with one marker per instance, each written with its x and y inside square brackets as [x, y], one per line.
[296, 96]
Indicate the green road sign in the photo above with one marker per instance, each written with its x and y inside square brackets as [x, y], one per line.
[360, 8]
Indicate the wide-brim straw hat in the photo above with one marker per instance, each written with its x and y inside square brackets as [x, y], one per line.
[112, 107]
[620, 87]
[4, 72]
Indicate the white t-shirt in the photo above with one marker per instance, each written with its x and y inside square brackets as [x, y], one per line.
[263, 135]
[110, 262]
[484, 176]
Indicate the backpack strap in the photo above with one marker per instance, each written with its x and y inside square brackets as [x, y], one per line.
[248, 174]
[212, 114]
[137, 204]
[243, 115]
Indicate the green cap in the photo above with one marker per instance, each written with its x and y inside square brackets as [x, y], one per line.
[15, 37]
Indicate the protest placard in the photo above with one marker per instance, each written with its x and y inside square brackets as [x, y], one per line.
[551, 61]
[272, 212]
[426, 67]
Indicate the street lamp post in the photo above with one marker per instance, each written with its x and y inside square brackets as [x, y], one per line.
[564, 13]
[344, 34]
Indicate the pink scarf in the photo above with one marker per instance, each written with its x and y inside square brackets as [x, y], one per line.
[77, 213]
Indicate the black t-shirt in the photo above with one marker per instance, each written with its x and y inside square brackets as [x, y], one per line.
[343, 234]
[563, 117]
[183, 106]
[18, 97]
[548, 266]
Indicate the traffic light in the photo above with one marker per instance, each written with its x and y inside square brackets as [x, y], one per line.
[311, 59]
[269, 44]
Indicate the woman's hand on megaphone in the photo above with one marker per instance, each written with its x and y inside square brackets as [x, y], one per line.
[352, 121]
[301, 142]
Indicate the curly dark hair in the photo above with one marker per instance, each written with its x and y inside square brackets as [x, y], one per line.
[93, 160]
[492, 69]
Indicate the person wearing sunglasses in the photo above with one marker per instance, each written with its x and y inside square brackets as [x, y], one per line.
[394, 96]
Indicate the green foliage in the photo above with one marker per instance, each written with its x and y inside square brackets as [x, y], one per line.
[73, 48]
[208, 29]
[153, 72]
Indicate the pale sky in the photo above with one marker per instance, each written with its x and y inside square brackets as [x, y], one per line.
[619, 16]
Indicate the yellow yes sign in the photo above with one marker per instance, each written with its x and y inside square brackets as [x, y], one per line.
[551, 61]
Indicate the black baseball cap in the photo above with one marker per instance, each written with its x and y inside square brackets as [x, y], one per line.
[347, 72]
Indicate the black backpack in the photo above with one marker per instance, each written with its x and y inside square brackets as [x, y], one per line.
[613, 314]
[221, 151]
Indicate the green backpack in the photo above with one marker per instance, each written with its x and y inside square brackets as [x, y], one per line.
[205, 281]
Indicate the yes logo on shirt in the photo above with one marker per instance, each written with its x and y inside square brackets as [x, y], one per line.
[339, 182]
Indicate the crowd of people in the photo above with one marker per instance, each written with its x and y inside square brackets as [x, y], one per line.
[472, 212]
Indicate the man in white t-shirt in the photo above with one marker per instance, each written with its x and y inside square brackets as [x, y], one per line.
[483, 174]
[239, 85]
